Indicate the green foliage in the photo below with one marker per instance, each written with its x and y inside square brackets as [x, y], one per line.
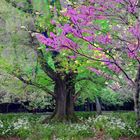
[85, 115]
[104, 24]
[41, 102]
[110, 97]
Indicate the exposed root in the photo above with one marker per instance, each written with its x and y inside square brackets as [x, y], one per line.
[58, 118]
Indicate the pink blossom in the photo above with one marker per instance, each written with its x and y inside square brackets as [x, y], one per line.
[135, 30]
[47, 41]
[89, 38]
[132, 6]
[98, 72]
[114, 68]
[72, 56]
[104, 39]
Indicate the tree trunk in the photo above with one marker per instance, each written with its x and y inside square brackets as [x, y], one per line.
[64, 91]
[136, 97]
[70, 84]
[70, 107]
[98, 106]
[70, 101]
[60, 107]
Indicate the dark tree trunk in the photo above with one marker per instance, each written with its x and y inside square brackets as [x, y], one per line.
[70, 101]
[60, 107]
[136, 97]
[69, 105]
[64, 91]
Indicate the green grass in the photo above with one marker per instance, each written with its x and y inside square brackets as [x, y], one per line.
[29, 126]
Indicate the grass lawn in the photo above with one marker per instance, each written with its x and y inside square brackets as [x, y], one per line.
[109, 126]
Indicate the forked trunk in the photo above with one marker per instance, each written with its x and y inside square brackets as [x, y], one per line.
[64, 109]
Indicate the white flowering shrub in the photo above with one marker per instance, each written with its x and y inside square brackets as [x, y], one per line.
[1, 124]
[14, 127]
[27, 126]
[114, 127]
[21, 124]
[74, 130]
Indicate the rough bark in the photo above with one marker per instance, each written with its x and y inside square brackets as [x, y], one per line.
[64, 91]
[60, 91]
[70, 85]
[70, 106]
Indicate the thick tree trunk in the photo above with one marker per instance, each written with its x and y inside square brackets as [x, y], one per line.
[137, 84]
[70, 84]
[70, 102]
[64, 91]
[60, 107]
[136, 97]
[136, 104]
[69, 105]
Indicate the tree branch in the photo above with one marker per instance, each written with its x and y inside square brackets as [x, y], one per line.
[77, 94]
[29, 82]
[45, 66]
[28, 10]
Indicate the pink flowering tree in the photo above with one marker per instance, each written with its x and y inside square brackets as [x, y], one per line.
[61, 65]
[115, 47]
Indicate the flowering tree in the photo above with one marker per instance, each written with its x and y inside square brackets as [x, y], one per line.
[62, 71]
[116, 47]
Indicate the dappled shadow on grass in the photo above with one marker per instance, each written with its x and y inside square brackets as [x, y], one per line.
[99, 136]
[102, 136]
[126, 138]
[10, 138]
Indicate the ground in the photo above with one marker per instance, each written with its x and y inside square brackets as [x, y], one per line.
[109, 126]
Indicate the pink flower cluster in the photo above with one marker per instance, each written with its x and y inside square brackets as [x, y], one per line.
[135, 30]
[56, 43]
[81, 26]
[100, 73]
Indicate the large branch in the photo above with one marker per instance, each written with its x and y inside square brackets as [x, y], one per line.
[101, 60]
[77, 94]
[21, 7]
[45, 66]
[29, 82]
[43, 62]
